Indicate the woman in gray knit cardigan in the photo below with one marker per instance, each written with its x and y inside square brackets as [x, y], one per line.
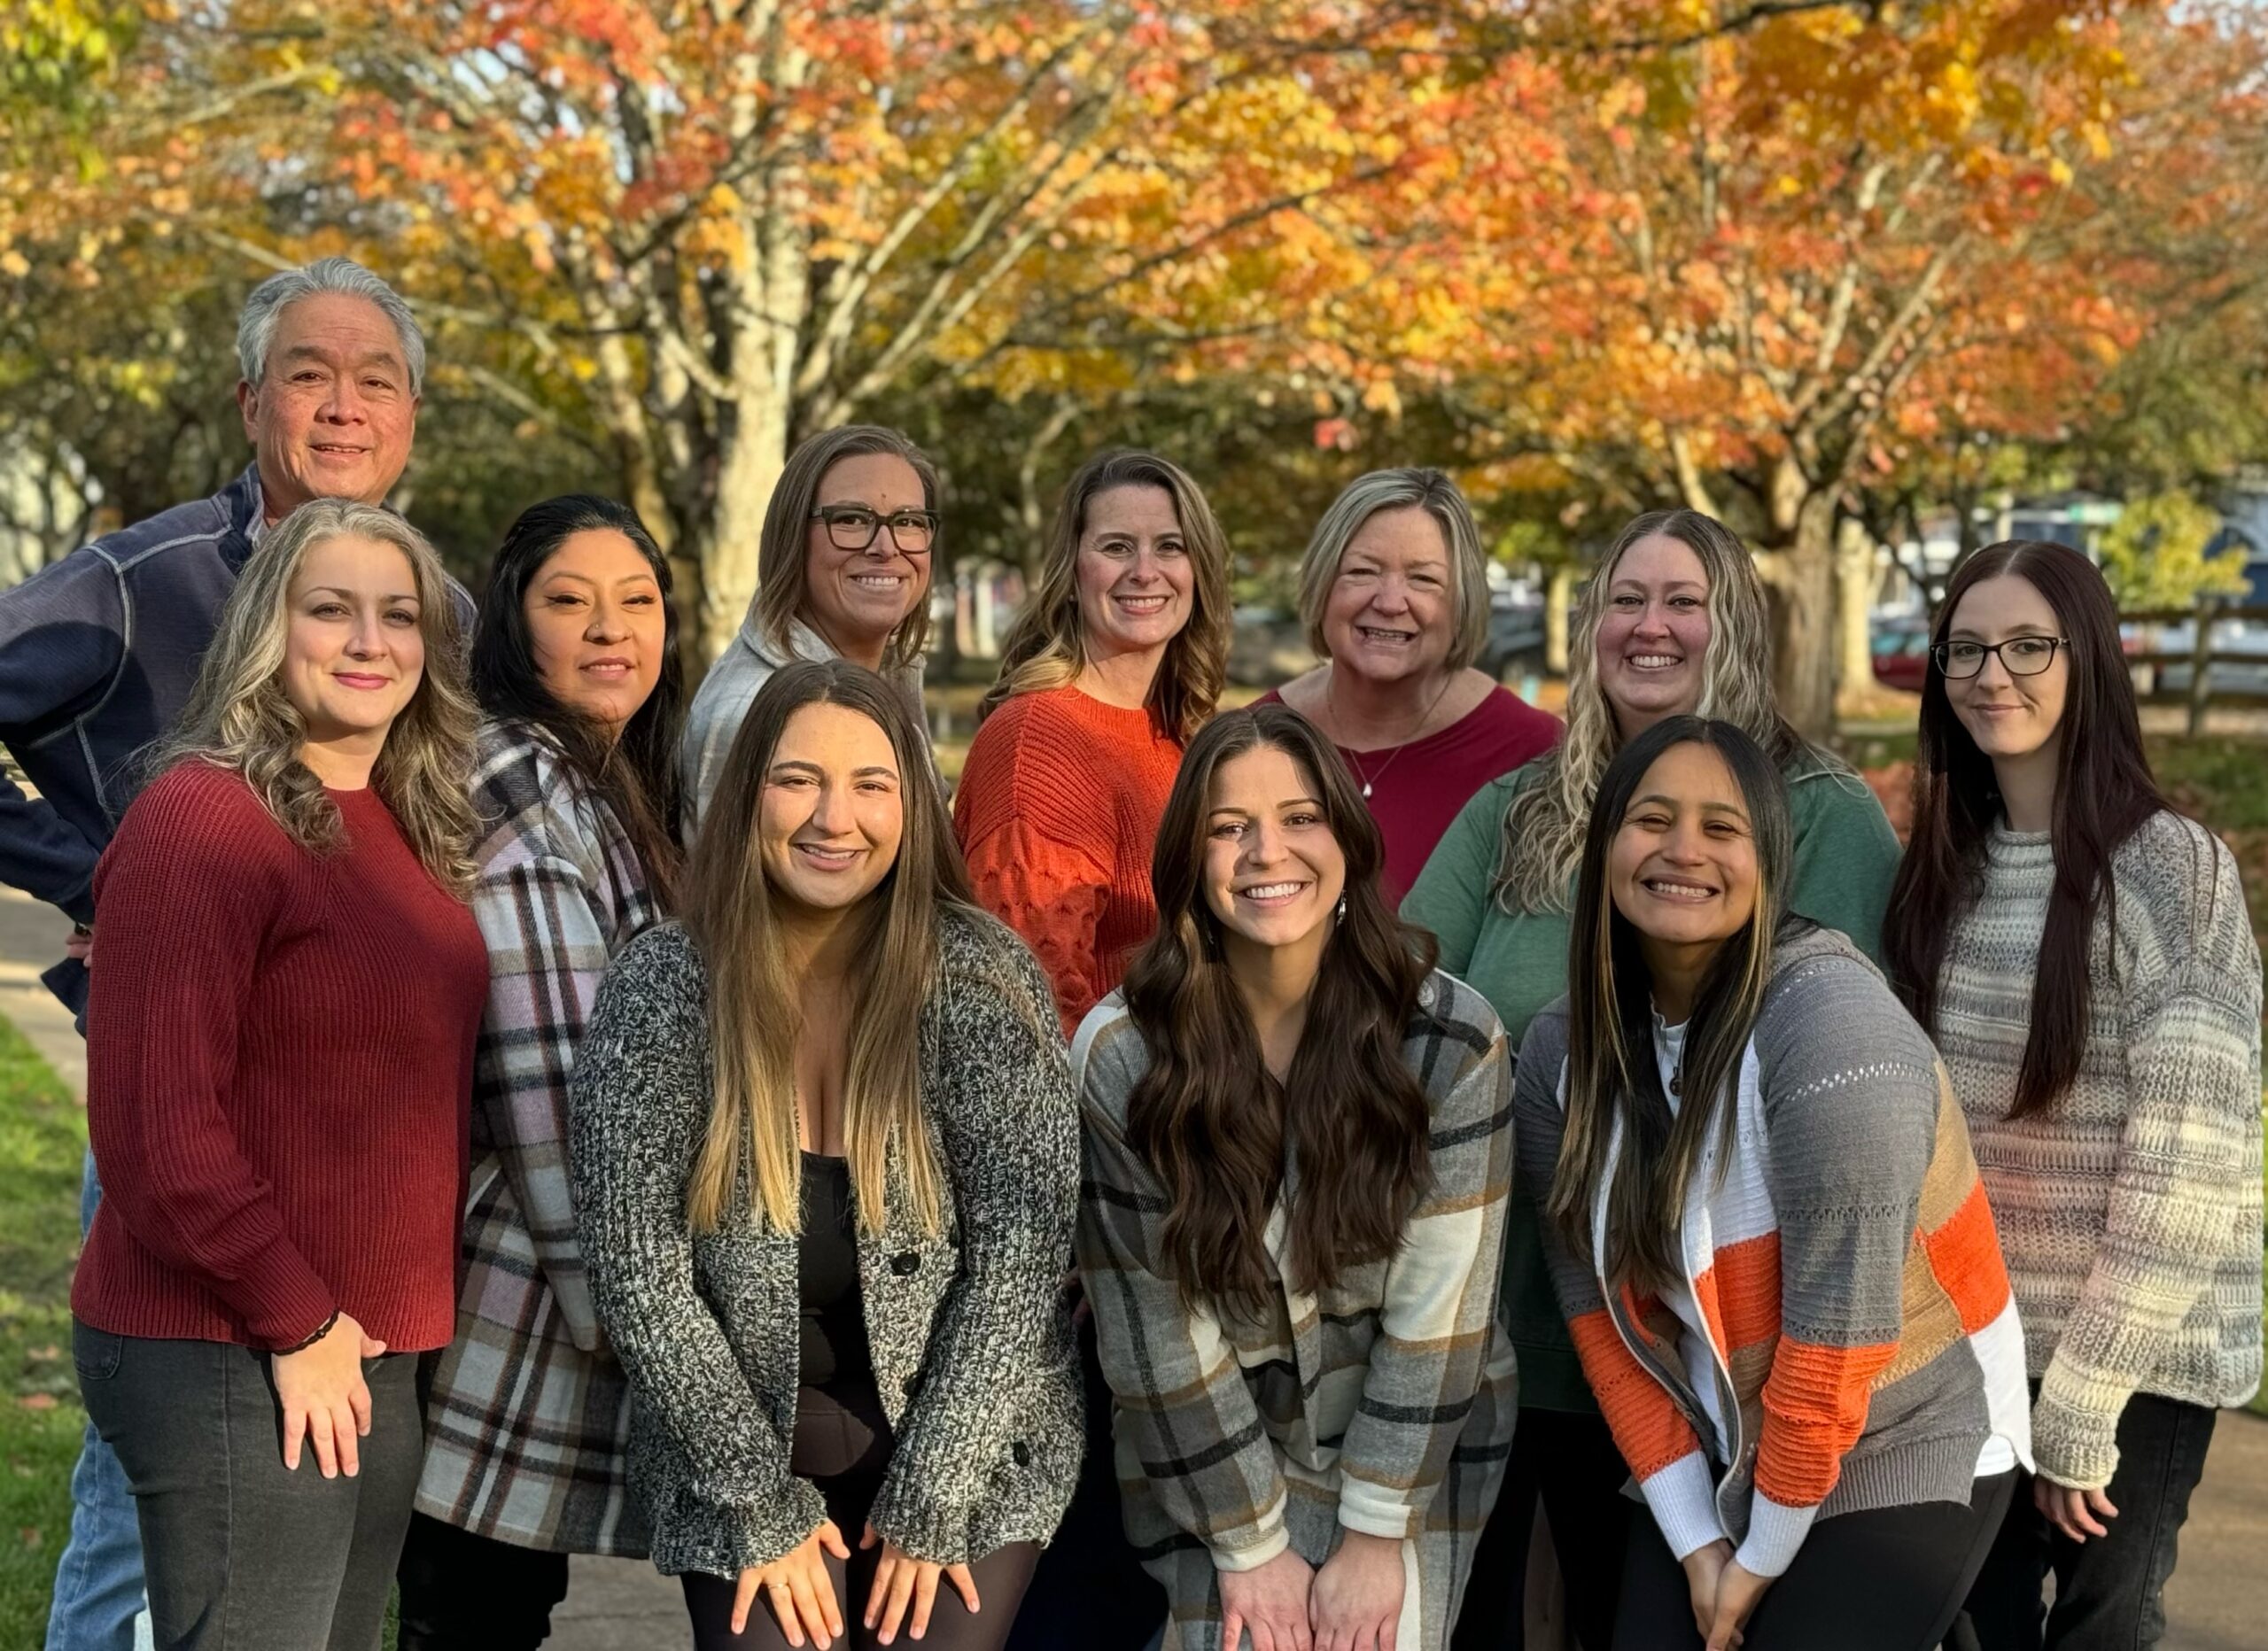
[1299, 1144]
[2083, 957]
[826, 1159]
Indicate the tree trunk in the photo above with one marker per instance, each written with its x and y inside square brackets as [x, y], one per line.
[1559, 595]
[1856, 574]
[1799, 580]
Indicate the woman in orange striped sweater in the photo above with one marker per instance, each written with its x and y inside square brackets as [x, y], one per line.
[1766, 1231]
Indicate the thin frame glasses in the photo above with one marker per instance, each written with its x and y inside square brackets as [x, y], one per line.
[2019, 656]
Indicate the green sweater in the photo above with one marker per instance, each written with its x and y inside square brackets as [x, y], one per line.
[1845, 856]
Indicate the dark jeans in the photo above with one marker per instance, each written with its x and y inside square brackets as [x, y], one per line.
[1091, 1593]
[465, 1592]
[843, 1445]
[242, 1553]
[1569, 1462]
[2109, 1591]
[1889, 1579]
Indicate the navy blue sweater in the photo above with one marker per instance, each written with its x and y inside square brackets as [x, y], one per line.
[98, 653]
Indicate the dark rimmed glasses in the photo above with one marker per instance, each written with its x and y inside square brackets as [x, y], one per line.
[853, 527]
[2019, 655]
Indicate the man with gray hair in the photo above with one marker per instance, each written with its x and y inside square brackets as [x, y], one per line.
[97, 655]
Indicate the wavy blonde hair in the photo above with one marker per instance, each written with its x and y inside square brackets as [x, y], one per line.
[1409, 488]
[1045, 648]
[238, 716]
[1545, 821]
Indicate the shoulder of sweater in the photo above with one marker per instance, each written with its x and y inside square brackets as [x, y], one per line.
[1828, 1006]
[1545, 1044]
[982, 961]
[660, 972]
[1820, 786]
[197, 801]
[2183, 883]
[1107, 1059]
[1448, 1008]
[528, 797]
[1044, 766]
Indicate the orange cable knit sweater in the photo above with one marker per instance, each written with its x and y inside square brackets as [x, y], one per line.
[1057, 811]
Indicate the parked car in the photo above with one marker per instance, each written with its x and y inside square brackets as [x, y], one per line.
[1902, 654]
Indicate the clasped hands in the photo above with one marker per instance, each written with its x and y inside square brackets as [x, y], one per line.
[1725, 1593]
[802, 1595]
[1353, 1603]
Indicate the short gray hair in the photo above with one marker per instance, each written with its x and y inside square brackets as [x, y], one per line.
[1410, 488]
[256, 327]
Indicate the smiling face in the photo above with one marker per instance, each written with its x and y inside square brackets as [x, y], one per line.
[1391, 615]
[1682, 869]
[1652, 645]
[596, 625]
[2010, 717]
[353, 652]
[857, 598]
[1274, 870]
[833, 811]
[1135, 580]
[332, 416]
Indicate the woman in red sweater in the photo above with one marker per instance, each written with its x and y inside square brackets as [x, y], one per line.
[280, 1041]
[1115, 662]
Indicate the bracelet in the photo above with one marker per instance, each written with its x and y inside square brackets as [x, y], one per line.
[329, 1324]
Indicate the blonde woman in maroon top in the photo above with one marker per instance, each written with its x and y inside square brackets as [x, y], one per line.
[280, 1041]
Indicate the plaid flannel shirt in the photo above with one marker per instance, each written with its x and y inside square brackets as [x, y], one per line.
[1384, 1405]
[529, 1415]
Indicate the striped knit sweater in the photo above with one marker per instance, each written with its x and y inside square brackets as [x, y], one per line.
[1865, 1349]
[2130, 1210]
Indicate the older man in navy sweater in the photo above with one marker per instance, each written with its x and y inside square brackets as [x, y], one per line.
[97, 655]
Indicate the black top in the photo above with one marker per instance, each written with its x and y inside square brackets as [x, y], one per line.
[833, 1328]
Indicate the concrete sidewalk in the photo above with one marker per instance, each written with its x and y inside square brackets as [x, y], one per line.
[2218, 1601]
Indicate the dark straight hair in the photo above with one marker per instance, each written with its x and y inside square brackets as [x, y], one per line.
[2104, 791]
[1613, 1076]
[1211, 1124]
[636, 773]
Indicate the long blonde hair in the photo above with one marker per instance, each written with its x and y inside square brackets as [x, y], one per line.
[239, 717]
[1045, 648]
[753, 1023]
[1544, 824]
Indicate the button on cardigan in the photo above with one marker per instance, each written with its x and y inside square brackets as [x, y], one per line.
[970, 1335]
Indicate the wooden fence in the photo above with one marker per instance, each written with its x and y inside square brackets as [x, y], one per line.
[2243, 672]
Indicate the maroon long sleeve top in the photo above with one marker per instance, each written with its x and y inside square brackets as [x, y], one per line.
[279, 1069]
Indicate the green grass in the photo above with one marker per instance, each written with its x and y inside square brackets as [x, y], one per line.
[43, 1141]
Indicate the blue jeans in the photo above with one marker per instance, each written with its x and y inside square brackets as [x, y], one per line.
[99, 1605]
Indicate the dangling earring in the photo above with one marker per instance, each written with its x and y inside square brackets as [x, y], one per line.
[1341, 915]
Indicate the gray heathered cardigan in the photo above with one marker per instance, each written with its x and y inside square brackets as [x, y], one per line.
[972, 1345]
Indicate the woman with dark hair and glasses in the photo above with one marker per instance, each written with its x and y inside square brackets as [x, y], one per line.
[575, 666]
[2083, 956]
[1766, 1232]
[843, 571]
[1297, 1155]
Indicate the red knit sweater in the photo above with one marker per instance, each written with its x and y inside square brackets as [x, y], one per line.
[279, 1069]
[1057, 812]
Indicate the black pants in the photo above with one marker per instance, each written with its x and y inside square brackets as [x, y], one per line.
[1091, 1593]
[1569, 1462]
[843, 1445]
[465, 1592]
[1889, 1579]
[2109, 1591]
[242, 1553]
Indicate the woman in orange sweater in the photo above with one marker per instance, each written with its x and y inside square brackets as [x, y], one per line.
[1115, 662]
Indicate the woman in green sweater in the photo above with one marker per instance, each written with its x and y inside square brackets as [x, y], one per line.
[1672, 624]
[2082, 955]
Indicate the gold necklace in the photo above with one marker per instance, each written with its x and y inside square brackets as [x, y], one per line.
[1331, 700]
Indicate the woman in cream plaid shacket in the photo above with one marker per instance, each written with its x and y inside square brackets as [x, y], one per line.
[1379, 1402]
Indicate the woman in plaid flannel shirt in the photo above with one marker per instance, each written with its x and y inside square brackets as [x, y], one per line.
[575, 662]
[1297, 1150]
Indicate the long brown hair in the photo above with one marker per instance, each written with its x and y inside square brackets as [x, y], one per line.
[1211, 1124]
[753, 1021]
[2104, 791]
[783, 545]
[1612, 1077]
[1046, 647]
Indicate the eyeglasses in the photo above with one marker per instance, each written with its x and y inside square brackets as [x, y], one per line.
[2019, 655]
[853, 527]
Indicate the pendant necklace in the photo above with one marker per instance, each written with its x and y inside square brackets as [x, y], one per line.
[1331, 700]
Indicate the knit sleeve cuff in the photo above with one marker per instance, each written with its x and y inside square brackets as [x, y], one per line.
[929, 1532]
[283, 1303]
[2078, 1448]
[1775, 1535]
[1684, 1504]
[1272, 1540]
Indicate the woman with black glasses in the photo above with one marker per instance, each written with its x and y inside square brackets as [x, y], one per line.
[2082, 955]
[842, 571]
